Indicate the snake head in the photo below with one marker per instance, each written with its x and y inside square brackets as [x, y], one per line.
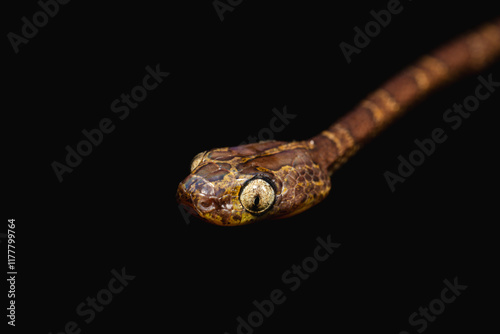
[239, 185]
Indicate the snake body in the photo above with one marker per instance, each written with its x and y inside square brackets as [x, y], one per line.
[274, 179]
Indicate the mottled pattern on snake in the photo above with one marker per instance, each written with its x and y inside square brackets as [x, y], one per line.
[215, 184]
[239, 185]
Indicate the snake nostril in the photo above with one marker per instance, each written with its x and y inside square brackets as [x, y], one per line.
[206, 204]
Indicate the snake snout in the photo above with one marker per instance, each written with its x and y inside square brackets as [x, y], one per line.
[200, 197]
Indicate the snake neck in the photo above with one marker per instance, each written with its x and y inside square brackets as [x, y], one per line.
[467, 54]
[333, 147]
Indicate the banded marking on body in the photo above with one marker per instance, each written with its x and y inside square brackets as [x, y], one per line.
[437, 68]
[334, 139]
[346, 134]
[480, 44]
[390, 103]
[477, 50]
[375, 111]
[420, 77]
[345, 157]
[344, 142]
[386, 103]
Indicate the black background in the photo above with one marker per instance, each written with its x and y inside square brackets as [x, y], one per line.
[117, 208]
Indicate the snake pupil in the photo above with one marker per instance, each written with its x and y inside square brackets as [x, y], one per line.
[256, 201]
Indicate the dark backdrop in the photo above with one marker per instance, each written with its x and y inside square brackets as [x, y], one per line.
[116, 210]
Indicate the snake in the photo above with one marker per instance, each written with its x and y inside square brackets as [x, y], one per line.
[238, 185]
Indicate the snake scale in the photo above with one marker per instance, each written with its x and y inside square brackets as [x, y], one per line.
[274, 179]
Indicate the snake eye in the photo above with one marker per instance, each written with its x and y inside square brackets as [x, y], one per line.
[257, 196]
[196, 160]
